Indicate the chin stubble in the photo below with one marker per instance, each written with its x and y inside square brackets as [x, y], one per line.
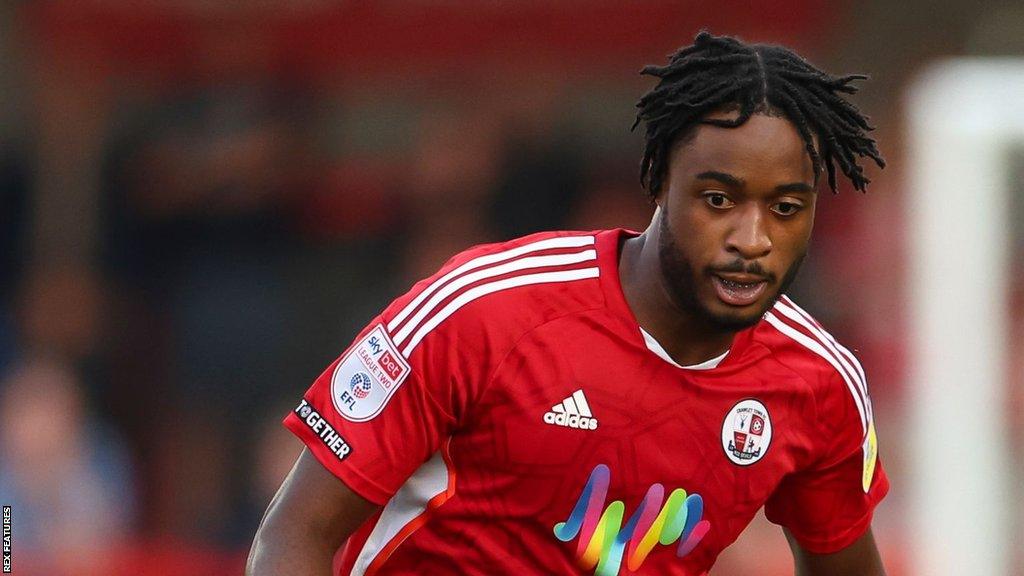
[679, 278]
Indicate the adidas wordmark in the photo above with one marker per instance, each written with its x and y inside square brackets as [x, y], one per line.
[573, 412]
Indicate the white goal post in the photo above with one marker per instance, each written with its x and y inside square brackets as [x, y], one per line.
[965, 119]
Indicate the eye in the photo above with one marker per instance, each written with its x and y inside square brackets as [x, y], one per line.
[786, 208]
[718, 200]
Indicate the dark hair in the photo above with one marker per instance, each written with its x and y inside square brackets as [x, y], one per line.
[719, 72]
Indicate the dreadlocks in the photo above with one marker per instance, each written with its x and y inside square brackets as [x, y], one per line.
[719, 72]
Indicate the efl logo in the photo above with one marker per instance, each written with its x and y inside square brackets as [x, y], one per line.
[605, 540]
[367, 376]
[390, 365]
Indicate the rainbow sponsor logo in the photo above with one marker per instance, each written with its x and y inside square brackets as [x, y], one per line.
[604, 541]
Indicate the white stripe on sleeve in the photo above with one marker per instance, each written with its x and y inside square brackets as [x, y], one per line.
[492, 287]
[513, 266]
[547, 244]
[829, 345]
[815, 347]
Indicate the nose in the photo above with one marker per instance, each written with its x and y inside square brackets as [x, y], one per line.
[749, 237]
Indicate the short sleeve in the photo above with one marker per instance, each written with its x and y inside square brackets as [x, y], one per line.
[829, 505]
[389, 402]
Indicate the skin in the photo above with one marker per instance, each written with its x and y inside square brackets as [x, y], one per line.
[858, 559]
[310, 517]
[737, 202]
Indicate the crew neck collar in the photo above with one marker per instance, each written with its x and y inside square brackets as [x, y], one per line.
[654, 346]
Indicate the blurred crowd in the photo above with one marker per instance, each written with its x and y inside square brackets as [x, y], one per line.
[185, 245]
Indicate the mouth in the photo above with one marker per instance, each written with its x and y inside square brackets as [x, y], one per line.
[739, 289]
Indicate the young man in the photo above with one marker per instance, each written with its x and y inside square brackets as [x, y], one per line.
[607, 402]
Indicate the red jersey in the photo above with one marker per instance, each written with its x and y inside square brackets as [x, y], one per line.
[512, 417]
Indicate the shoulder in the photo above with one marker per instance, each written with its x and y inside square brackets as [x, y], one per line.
[802, 344]
[493, 292]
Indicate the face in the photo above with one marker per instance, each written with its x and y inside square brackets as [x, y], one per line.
[736, 212]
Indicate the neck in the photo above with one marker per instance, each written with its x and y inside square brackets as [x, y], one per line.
[687, 339]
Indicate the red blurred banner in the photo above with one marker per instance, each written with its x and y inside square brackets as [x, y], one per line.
[313, 38]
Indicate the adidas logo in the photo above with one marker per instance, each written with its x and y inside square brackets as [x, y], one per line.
[573, 412]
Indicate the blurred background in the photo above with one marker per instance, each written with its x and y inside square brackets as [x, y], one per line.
[203, 201]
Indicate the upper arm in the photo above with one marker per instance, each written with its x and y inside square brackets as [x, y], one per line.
[312, 497]
[310, 517]
[858, 559]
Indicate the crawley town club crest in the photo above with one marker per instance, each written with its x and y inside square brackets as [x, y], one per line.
[746, 432]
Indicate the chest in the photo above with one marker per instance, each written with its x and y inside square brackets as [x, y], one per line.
[560, 400]
[571, 425]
